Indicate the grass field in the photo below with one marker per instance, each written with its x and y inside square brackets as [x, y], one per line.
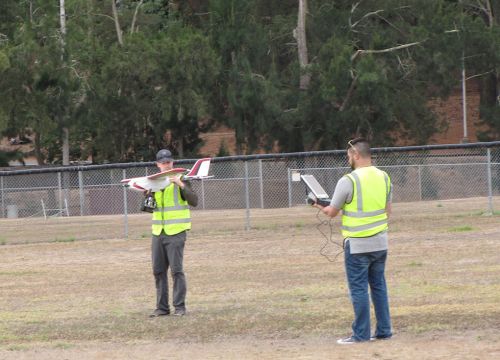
[266, 293]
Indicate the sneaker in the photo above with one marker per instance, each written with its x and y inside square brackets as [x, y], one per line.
[347, 341]
[179, 312]
[159, 312]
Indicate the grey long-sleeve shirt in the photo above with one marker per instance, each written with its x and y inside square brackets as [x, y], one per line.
[189, 195]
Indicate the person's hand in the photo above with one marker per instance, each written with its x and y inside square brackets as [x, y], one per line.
[177, 180]
[311, 202]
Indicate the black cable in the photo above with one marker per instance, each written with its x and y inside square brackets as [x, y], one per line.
[329, 239]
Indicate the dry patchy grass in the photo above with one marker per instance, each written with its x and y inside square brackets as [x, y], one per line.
[263, 293]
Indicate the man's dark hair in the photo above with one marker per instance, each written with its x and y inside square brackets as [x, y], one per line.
[361, 145]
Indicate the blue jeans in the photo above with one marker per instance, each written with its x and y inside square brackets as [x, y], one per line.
[363, 270]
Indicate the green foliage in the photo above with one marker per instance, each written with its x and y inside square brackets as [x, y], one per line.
[64, 240]
[223, 151]
[461, 228]
[7, 156]
[186, 65]
[4, 61]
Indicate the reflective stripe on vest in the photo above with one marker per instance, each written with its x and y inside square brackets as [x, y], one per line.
[172, 213]
[175, 221]
[171, 208]
[366, 214]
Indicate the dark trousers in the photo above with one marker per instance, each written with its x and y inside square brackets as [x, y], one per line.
[168, 251]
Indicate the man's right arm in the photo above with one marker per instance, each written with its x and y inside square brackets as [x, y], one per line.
[388, 209]
[388, 206]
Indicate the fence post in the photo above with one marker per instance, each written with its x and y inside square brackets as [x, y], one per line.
[490, 189]
[203, 194]
[59, 187]
[247, 198]
[125, 205]
[261, 185]
[80, 188]
[420, 181]
[289, 188]
[1, 194]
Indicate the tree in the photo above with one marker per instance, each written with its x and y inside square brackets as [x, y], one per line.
[129, 76]
[187, 67]
[480, 32]
[248, 91]
[374, 68]
[300, 35]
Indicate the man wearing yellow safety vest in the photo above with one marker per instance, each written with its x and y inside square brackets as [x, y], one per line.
[364, 196]
[171, 220]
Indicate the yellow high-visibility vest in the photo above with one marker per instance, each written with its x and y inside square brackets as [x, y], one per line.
[366, 214]
[172, 213]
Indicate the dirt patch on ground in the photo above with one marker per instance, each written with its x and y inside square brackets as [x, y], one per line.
[265, 293]
[466, 346]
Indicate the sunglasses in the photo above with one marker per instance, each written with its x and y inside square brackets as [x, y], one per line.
[351, 144]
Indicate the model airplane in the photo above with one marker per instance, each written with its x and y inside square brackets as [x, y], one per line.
[161, 180]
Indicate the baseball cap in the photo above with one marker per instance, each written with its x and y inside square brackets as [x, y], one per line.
[164, 156]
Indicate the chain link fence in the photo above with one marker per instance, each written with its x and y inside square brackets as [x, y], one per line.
[436, 172]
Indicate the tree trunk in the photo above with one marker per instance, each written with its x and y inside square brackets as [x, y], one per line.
[490, 84]
[494, 7]
[38, 150]
[65, 146]
[134, 19]
[300, 35]
[180, 146]
[65, 130]
[62, 18]
[117, 22]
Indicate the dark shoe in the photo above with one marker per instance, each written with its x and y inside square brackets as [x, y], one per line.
[159, 312]
[180, 312]
[375, 338]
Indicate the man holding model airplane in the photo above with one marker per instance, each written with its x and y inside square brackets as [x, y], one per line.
[171, 220]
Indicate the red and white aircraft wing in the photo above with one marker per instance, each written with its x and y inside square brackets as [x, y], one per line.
[167, 173]
[161, 180]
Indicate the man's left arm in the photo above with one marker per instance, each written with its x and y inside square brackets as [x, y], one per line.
[187, 192]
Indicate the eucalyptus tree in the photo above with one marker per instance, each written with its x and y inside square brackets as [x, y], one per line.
[38, 88]
[480, 33]
[187, 70]
[151, 88]
[249, 89]
[374, 65]
[31, 86]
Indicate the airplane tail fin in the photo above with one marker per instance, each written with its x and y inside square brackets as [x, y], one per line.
[199, 169]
